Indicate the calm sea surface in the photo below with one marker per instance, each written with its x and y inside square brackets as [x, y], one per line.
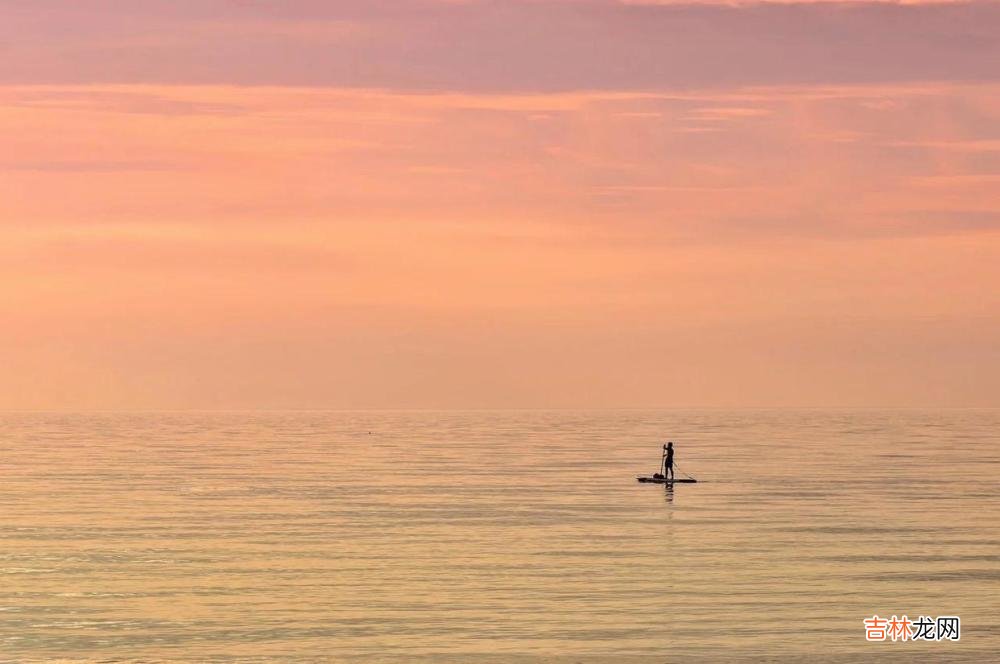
[495, 536]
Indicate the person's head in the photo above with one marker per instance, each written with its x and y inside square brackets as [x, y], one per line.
[668, 446]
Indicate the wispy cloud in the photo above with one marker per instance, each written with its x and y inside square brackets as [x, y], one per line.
[682, 165]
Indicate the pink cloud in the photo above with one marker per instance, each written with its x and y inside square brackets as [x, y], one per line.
[494, 46]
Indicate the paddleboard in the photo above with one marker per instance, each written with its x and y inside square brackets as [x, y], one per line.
[660, 480]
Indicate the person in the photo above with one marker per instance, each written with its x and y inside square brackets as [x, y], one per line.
[668, 461]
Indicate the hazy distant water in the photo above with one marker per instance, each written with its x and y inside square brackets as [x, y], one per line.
[494, 535]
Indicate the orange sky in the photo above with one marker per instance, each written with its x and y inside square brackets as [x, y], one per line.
[502, 219]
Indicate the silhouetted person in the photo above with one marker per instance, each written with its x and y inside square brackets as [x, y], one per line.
[668, 461]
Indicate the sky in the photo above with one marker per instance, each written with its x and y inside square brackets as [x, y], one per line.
[240, 204]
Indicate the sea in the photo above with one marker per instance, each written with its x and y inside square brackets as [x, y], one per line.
[496, 536]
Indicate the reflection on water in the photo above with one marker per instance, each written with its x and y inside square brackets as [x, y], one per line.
[501, 535]
[669, 491]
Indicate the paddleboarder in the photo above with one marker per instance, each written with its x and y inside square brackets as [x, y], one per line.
[668, 461]
[667, 464]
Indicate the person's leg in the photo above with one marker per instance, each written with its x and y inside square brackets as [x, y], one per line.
[670, 471]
